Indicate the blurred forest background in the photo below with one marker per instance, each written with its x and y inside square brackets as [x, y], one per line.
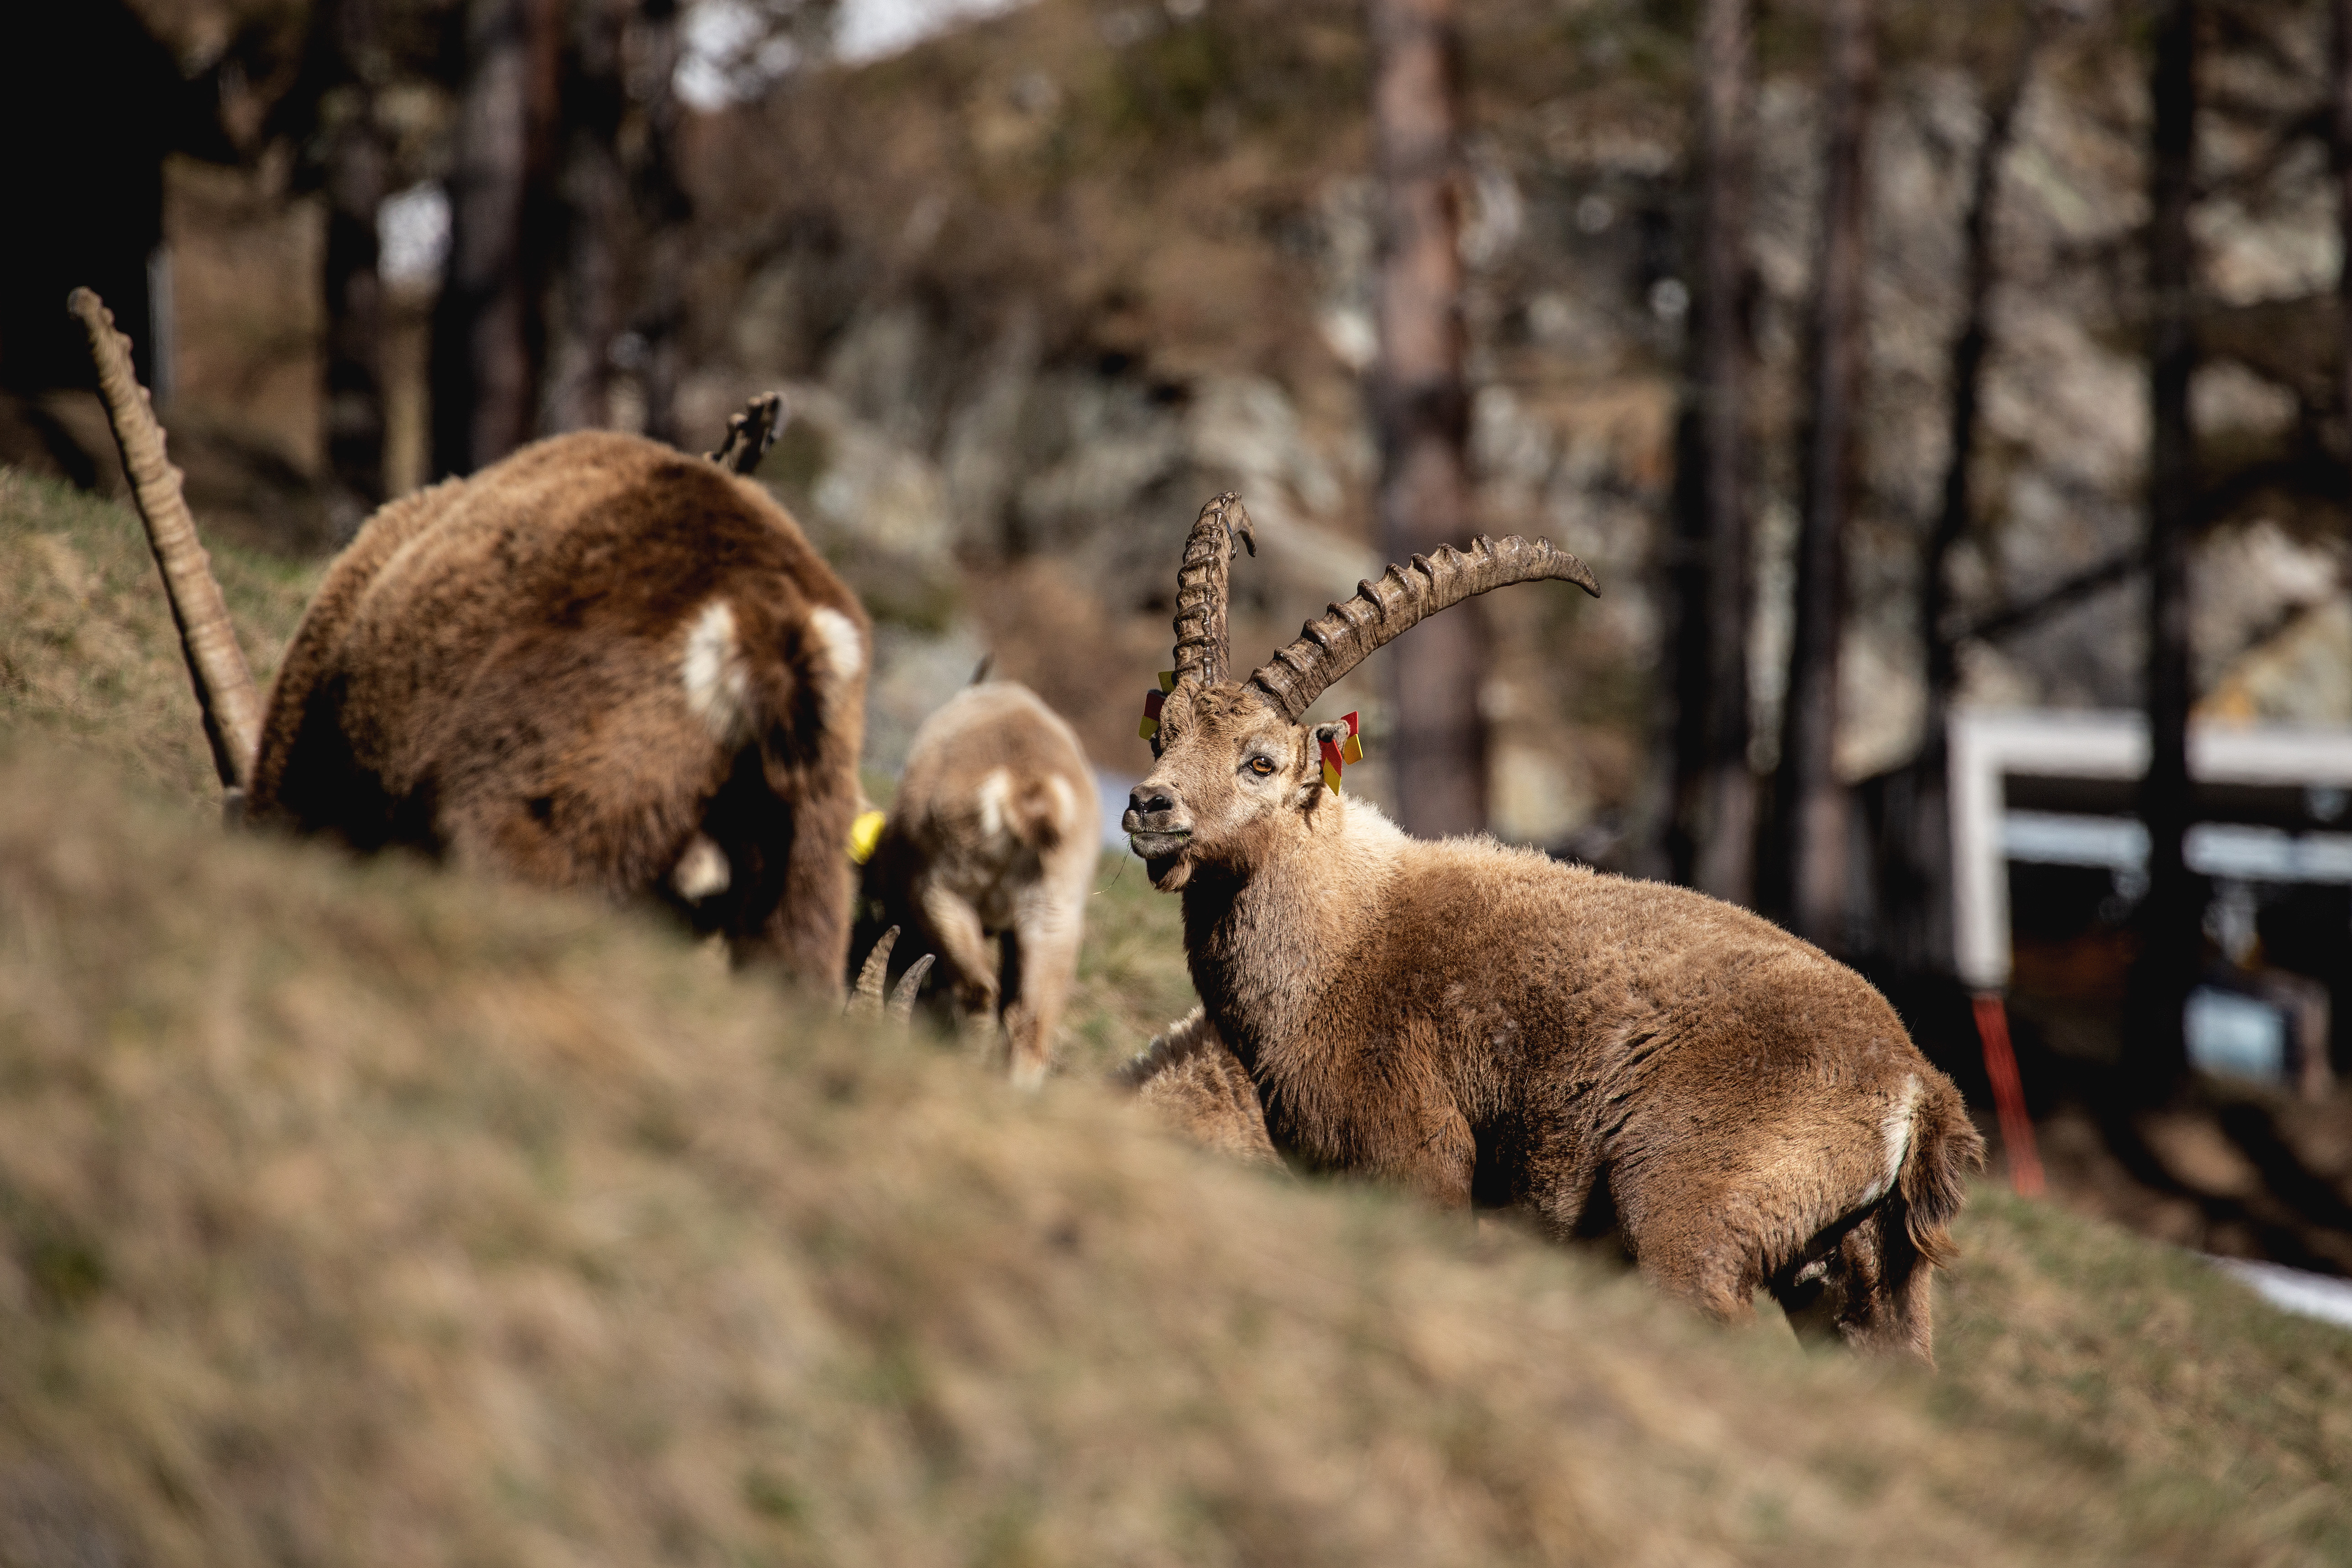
[1883, 358]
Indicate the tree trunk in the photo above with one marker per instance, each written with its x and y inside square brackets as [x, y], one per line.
[664, 209]
[1440, 745]
[489, 336]
[1916, 931]
[2343, 149]
[358, 164]
[595, 192]
[1809, 845]
[2170, 914]
[1715, 838]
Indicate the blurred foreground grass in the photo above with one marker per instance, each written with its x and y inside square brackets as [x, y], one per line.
[362, 1214]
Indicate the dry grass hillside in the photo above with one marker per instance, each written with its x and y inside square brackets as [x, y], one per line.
[362, 1214]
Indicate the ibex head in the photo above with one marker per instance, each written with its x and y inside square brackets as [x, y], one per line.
[1237, 772]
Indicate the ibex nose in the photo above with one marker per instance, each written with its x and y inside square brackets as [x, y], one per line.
[1143, 800]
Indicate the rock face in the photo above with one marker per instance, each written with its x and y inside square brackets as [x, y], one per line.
[1044, 286]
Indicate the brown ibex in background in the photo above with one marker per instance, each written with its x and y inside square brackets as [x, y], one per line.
[991, 842]
[1491, 1027]
[1191, 1081]
[597, 663]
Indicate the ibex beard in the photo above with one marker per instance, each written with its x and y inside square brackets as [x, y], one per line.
[1488, 1026]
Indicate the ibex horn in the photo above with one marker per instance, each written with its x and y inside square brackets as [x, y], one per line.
[1202, 654]
[224, 690]
[902, 1000]
[865, 1000]
[751, 432]
[1334, 642]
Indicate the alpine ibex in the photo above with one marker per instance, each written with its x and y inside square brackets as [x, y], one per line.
[1193, 1083]
[598, 663]
[1490, 1027]
[995, 834]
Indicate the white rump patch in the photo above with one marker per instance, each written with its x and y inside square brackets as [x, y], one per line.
[995, 787]
[701, 871]
[718, 687]
[1894, 1132]
[838, 645]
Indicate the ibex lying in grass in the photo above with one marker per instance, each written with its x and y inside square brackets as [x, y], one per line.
[1193, 1083]
[1490, 1027]
[994, 833]
[597, 663]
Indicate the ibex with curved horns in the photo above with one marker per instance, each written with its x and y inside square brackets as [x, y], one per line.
[1490, 1027]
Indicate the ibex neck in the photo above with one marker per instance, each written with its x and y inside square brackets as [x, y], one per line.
[1266, 943]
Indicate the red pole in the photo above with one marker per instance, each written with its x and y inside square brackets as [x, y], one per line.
[2008, 1095]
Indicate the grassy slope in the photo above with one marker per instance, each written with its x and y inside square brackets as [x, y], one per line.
[359, 1213]
[87, 647]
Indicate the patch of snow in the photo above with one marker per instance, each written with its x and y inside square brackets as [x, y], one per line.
[2296, 1290]
[871, 30]
[411, 231]
[1113, 790]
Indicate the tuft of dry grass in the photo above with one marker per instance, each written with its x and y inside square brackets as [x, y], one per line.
[2202, 1406]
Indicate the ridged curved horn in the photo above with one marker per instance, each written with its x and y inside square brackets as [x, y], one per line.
[224, 690]
[902, 1000]
[1202, 654]
[1334, 642]
[865, 997]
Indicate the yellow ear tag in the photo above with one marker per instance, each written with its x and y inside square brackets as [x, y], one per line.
[1167, 682]
[863, 835]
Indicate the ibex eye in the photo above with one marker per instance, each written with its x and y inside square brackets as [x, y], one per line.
[1260, 766]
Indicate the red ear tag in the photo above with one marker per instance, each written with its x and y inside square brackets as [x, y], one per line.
[1152, 701]
[1331, 765]
[1353, 752]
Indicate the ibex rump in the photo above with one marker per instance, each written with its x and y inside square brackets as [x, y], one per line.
[597, 663]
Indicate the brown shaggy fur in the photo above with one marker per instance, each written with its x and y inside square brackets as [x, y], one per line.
[503, 671]
[1491, 1027]
[1191, 1081]
[994, 833]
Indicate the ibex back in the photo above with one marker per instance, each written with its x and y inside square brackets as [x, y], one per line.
[598, 664]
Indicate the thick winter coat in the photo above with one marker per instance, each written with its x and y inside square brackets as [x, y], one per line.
[1491, 1027]
[597, 663]
[989, 853]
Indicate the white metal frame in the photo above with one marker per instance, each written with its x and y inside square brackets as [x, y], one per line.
[1987, 745]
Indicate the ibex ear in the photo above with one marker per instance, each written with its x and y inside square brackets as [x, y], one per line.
[1319, 738]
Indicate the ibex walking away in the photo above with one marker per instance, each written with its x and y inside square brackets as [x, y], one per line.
[992, 840]
[597, 663]
[1488, 1026]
